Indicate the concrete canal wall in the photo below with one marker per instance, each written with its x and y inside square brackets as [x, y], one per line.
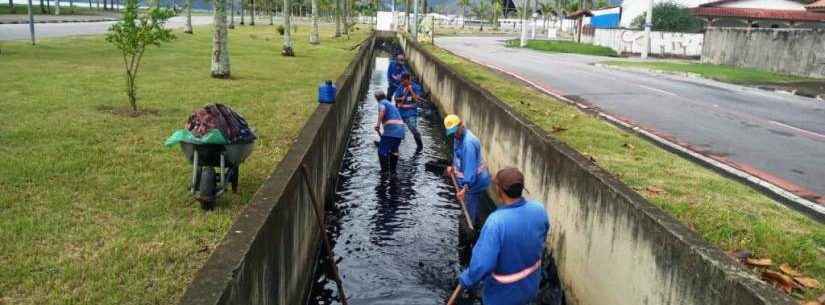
[268, 254]
[612, 246]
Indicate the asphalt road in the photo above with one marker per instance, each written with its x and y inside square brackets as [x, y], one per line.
[46, 30]
[777, 137]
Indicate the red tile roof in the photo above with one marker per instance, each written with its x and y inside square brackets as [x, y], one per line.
[759, 14]
[816, 5]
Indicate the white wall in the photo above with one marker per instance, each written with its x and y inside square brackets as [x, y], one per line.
[662, 43]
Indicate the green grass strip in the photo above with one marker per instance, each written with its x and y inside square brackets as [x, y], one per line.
[725, 212]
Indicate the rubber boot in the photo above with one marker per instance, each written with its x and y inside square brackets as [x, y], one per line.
[419, 145]
[393, 163]
[385, 163]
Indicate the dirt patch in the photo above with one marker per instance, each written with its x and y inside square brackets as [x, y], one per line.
[127, 111]
[810, 89]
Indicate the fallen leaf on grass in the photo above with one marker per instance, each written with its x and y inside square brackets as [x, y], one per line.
[784, 282]
[807, 282]
[557, 129]
[789, 271]
[759, 262]
[204, 248]
[653, 190]
[628, 146]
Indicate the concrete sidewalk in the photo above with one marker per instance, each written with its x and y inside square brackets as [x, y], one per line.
[24, 19]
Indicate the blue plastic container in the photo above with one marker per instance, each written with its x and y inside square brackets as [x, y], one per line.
[326, 93]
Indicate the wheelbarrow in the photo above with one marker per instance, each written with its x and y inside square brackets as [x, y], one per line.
[207, 183]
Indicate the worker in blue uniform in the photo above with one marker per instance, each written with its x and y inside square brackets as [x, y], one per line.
[507, 256]
[397, 68]
[407, 97]
[390, 119]
[468, 168]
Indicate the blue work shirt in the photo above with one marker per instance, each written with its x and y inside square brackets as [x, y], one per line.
[395, 70]
[409, 108]
[470, 169]
[393, 125]
[511, 240]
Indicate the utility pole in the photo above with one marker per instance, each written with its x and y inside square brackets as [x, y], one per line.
[523, 42]
[648, 25]
[31, 21]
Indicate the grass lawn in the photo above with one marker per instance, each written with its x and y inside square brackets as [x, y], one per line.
[93, 208]
[728, 74]
[80, 8]
[725, 212]
[558, 46]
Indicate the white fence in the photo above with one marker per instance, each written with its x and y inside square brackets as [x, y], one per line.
[662, 43]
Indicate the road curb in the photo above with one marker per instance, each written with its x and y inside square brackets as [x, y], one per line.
[820, 97]
[60, 21]
[807, 207]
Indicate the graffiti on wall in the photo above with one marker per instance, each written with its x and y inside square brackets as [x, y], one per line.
[662, 43]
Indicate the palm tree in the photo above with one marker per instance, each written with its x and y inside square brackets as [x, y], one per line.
[188, 26]
[313, 36]
[287, 49]
[463, 4]
[495, 7]
[480, 12]
[220, 45]
[546, 10]
[242, 12]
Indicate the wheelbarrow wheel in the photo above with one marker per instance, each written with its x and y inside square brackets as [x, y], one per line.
[207, 188]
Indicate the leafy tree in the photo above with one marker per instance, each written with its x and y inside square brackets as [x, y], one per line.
[670, 17]
[133, 34]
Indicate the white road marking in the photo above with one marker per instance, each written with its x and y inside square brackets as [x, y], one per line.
[658, 90]
[807, 132]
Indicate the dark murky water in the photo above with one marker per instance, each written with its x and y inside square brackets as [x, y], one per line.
[398, 237]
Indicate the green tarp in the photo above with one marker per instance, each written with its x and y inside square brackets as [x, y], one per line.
[214, 136]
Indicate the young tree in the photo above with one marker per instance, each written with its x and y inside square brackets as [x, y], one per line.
[11, 7]
[188, 26]
[132, 35]
[313, 35]
[220, 42]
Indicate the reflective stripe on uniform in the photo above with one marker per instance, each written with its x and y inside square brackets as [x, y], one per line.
[518, 276]
[393, 121]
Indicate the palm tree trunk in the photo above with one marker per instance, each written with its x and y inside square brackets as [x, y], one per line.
[337, 18]
[346, 17]
[188, 26]
[269, 6]
[287, 47]
[242, 12]
[231, 14]
[313, 36]
[11, 6]
[407, 17]
[252, 13]
[220, 45]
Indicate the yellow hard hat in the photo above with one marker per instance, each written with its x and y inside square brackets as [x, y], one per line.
[451, 123]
